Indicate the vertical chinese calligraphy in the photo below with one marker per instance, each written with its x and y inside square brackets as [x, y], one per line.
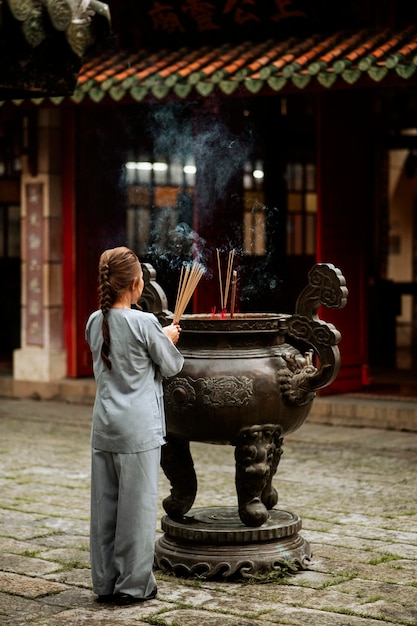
[34, 262]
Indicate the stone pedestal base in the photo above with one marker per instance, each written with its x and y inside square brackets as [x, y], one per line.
[38, 364]
[212, 542]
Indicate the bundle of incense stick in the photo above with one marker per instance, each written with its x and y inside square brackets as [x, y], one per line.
[189, 278]
[224, 293]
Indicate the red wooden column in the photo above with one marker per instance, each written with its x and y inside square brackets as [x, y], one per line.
[69, 240]
[345, 191]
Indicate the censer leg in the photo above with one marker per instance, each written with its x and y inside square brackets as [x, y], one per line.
[178, 466]
[257, 456]
[274, 451]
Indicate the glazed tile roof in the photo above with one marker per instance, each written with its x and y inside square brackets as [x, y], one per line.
[341, 59]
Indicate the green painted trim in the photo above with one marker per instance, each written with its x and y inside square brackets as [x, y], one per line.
[327, 79]
[182, 90]
[218, 76]
[341, 66]
[195, 77]
[405, 71]
[107, 84]
[291, 69]
[172, 80]
[253, 85]
[138, 92]
[241, 74]
[160, 90]
[204, 89]
[78, 96]
[300, 80]
[377, 73]
[276, 82]
[127, 83]
[267, 71]
[228, 86]
[393, 61]
[85, 87]
[117, 93]
[351, 76]
[366, 63]
[96, 94]
[316, 68]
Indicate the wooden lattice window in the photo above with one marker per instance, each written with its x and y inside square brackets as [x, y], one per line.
[302, 208]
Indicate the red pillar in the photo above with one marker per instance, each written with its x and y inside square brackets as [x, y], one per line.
[345, 185]
[69, 239]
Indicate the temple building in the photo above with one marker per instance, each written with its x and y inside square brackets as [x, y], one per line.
[285, 131]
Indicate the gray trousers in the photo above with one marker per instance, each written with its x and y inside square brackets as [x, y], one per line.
[124, 500]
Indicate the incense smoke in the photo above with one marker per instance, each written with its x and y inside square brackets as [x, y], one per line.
[191, 135]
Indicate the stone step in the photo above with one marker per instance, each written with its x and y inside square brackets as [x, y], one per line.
[360, 410]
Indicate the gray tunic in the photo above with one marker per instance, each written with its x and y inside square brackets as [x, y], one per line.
[128, 413]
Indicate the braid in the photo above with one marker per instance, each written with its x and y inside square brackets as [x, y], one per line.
[106, 300]
[117, 268]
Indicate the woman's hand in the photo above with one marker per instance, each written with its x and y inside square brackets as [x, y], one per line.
[172, 332]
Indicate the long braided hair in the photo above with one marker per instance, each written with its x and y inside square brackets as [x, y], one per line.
[117, 268]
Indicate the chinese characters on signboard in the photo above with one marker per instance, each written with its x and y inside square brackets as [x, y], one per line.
[165, 21]
[34, 257]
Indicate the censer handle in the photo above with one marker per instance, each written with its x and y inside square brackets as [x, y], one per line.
[327, 287]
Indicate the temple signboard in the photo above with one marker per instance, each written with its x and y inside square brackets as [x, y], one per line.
[165, 22]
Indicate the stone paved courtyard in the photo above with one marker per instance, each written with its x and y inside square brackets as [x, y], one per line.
[354, 488]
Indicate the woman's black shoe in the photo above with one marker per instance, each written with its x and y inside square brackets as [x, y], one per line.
[106, 599]
[125, 599]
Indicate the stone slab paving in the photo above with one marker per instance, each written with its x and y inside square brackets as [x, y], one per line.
[354, 488]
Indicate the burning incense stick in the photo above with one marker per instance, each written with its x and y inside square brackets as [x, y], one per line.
[220, 280]
[189, 279]
[228, 276]
[224, 293]
[233, 296]
[179, 288]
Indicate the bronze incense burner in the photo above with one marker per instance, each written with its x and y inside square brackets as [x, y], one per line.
[247, 381]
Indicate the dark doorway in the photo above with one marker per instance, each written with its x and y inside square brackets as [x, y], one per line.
[11, 283]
